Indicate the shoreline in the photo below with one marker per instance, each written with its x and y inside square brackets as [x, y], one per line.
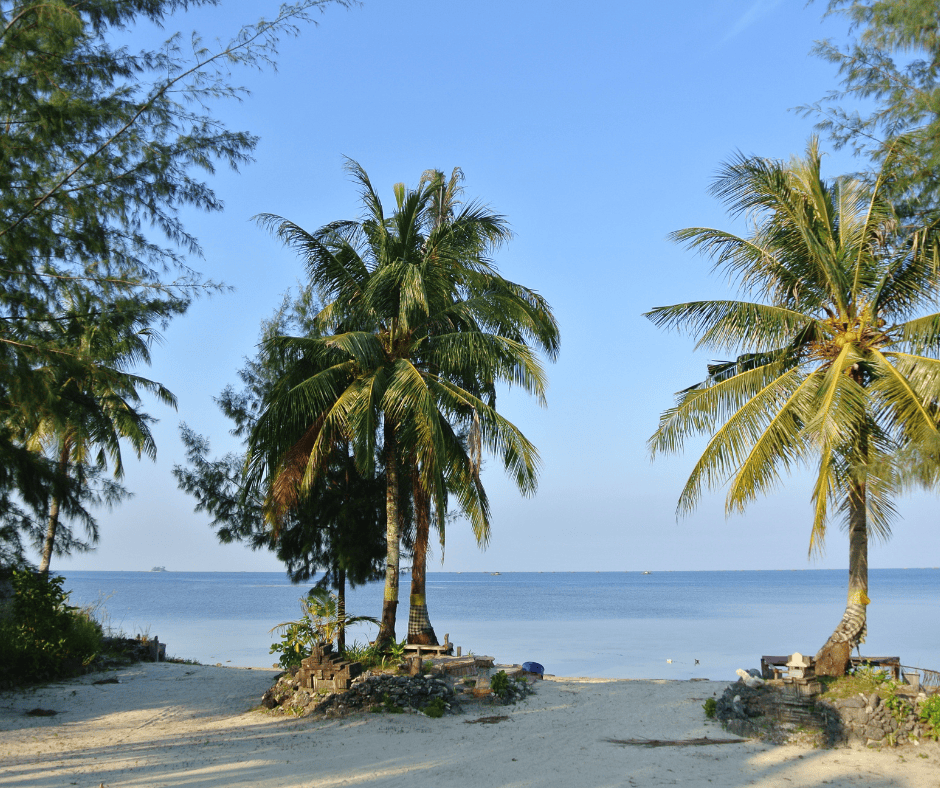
[171, 724]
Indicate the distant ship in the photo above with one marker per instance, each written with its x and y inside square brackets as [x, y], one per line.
[494, 573]
[647, 573]
[158, 569]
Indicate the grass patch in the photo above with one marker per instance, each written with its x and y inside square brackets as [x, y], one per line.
[864, 680]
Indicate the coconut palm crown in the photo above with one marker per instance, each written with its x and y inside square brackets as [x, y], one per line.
[836, 365]
[417, 331]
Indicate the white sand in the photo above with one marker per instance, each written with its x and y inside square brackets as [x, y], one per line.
[192, 725]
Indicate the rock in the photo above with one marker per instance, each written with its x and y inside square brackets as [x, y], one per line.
[267, 700]
[367, 692]
[851, 703]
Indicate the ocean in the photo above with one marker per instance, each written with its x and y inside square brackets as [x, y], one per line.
[664, 625]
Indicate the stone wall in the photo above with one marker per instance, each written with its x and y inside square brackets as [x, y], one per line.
[779, 713]
[868, 720]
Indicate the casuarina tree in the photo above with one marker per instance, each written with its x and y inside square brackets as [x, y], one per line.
[101, 149]
[335, 529]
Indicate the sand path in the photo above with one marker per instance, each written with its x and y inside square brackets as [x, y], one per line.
[192, 725]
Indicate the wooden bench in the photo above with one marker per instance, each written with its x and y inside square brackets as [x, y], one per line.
[776, 667]
[417, 650]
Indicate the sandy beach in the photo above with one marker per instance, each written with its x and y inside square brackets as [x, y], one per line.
[194, 725]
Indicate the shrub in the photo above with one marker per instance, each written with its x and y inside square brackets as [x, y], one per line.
[320, 623]
[45, 637]
[435, 708]
[390, 706]
[930, 714]
[710, 706]
[365, 654]
[499, 684]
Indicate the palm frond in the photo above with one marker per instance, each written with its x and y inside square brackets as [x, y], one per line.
[731, 325]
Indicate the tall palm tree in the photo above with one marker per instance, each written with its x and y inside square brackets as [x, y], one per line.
[833, 365]
[93, 400]
[418, 328]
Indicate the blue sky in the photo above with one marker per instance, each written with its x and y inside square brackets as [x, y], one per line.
[595, 129]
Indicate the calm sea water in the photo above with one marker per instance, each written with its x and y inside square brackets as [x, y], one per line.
[605, 624]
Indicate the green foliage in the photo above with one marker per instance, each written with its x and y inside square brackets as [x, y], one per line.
[435, 708]
[93, 404]
[338, 527]
[396, 651]
[390, 706]
[359, 652]
[295, 644]
[834, 353]
[710, 706]
[499, 684]
[371, 655]
[100, 153]
[887, 106]
[45, 637]
[320, 623]
[867, 680]
[417, 332]
[930, 714]
[864, 680]
[899, 706]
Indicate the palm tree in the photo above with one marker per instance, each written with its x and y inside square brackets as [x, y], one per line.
[417, 330]
[833, 366]
[93, 400]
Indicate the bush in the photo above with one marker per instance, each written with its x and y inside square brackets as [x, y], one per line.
[367, 655]
[320, 623]
[499, 684]
[930, 714]
[45, 637]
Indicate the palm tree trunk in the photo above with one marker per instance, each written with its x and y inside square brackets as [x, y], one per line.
[833, 657]
[341, 609]
[54, 505]
[393, 538]
[420, 630]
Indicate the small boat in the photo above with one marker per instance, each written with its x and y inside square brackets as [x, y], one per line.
[158, 569]
[647, 573]
[494, 573]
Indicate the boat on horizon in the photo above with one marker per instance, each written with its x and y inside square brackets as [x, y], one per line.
[158, 569]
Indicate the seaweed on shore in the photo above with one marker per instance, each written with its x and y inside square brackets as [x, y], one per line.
[673, 742]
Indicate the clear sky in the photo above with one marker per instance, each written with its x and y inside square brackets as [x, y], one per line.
[595, 128]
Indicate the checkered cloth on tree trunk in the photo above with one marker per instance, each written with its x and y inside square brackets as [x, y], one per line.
[418, 621]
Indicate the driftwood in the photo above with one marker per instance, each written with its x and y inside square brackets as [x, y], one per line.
[673, 742]
[488, 720]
